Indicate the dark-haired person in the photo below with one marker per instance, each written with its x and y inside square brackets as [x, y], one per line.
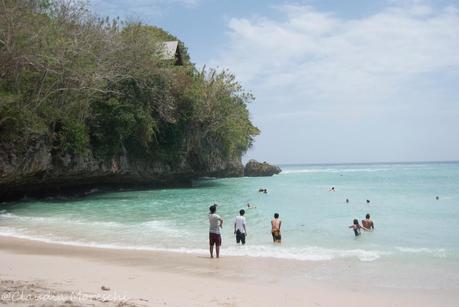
[215, 238]
[275, 228]
[239, 227]
[368, 223]
[356, 227]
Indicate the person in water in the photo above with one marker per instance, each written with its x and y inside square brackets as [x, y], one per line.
[356, 227]
[347, 200]
[275, 228]
[215, 223]
[249, 206]
[368, 201]
[368, 223]
[332, 189]
[240, 229]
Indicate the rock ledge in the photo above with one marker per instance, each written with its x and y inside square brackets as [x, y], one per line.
[254, 168]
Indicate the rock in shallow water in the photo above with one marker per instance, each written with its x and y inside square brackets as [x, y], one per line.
[254, 168]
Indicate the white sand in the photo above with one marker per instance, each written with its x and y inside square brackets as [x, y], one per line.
[53, 274]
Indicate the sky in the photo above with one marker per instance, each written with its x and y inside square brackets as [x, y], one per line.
[335, 81]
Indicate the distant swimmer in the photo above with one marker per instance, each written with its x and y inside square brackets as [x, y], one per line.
[368, 201]
[368, 223]
[251, 206]
[275, 228]
[356, 227]
[347, 200]
[263, 190]
[437, 198]
[332, 189]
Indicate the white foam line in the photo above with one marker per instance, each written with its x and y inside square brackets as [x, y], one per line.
[302, 254]
[354, 170]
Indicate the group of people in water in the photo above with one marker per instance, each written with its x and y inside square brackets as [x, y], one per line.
[367, 225]
[240, 229]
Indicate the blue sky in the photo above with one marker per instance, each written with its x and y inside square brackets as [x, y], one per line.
[335, 81]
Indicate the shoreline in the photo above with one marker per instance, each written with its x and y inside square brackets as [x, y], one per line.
[150, 278]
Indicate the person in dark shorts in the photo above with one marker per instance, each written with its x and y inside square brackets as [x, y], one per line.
[215, 223]
[239, 227]
[275, 228]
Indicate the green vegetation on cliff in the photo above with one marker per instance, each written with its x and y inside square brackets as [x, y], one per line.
[102, 86]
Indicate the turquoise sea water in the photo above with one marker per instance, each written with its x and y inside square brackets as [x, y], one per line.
[411, 225]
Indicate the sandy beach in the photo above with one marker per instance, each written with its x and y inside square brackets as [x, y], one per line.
[37, 274]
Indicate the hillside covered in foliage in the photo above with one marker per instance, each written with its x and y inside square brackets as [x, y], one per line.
[87, 101]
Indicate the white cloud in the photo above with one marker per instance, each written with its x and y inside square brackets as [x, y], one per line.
[308, 62]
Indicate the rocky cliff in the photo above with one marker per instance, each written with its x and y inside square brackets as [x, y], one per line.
[37, 171]
[254, 168]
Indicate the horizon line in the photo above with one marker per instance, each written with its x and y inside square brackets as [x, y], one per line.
[377, 162]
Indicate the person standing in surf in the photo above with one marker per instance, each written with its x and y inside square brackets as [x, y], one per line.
[239, 227]
[368, 223]
[215, 223]
[275, 228]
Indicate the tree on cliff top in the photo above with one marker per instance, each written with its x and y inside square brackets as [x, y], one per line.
[100, 85]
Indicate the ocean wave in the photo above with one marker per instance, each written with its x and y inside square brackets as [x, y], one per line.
[312, 253]
[257, 251]
[6, 214]
[437, 252]
[334, 170]
[57, 220]
[165, 228]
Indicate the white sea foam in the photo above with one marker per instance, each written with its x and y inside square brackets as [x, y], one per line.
[437, 252]
[312, 253]
[57, 220]
[6, 214]
[164, 228]
[334, 170]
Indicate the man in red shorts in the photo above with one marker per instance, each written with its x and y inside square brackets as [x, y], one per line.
[216, 222]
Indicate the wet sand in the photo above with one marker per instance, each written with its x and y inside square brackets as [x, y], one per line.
[36, 273]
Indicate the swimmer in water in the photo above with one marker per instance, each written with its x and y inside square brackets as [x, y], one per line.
[347, 200]
[332, 189]
[368, 201]
[368, 223]
[356, 227]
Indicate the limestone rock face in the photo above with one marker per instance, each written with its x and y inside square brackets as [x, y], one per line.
[37, 171]
[254, 168]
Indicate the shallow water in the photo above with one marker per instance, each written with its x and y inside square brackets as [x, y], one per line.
[411, 225]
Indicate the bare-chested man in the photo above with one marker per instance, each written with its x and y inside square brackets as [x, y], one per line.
[368, 223]
[275, 228]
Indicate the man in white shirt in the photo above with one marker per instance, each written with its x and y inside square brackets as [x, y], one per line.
[215, 223]
[239, 228]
